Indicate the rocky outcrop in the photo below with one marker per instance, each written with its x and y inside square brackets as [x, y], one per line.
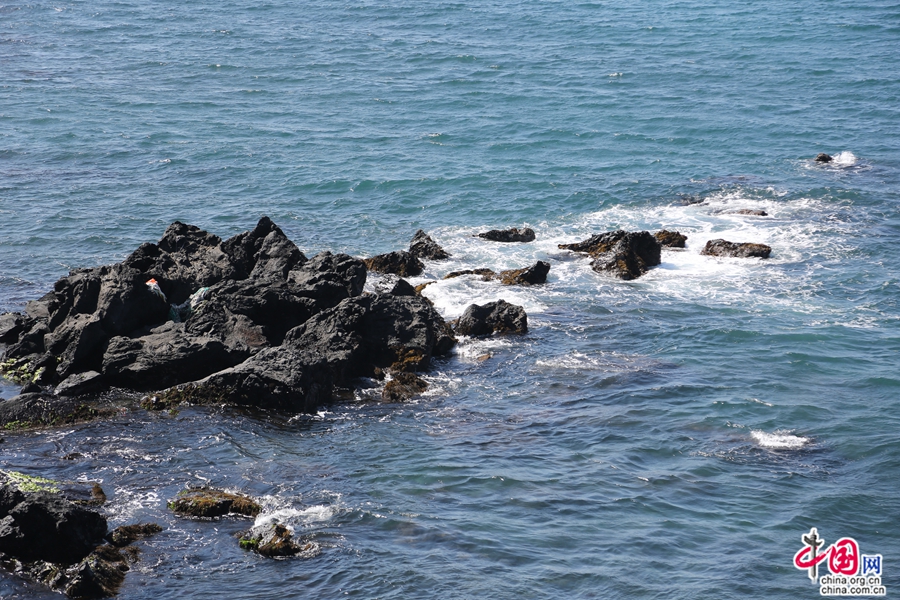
[399, 262]
[670, 239]
[422, 246]
[533, 275]
[626, 255]
[823, 158]
[730, 249]
[513, 234]
[70, 329]
[494, 317]
[44, 526]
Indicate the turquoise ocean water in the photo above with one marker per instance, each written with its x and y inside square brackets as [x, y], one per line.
[670, 437]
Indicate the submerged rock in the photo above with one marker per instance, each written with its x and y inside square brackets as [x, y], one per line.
[627, 255]
[753, 212]
[403, 386]
[730, 249]
[486, 274]
[422, 246]
[494, 317]
[399, 262]
[513, 234]
[533, 275]
[823, 158]
[208, 503]
[670, 239]
[127, 534]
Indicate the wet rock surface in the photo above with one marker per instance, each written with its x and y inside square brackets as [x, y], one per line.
[737, 250]
[421, 246]
[513, 234]
[752, 212]
[823, 158]
[626, 255]
[494, 317]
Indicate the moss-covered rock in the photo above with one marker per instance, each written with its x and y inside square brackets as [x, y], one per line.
[208, 503]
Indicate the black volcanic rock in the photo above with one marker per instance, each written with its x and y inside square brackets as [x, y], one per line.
[739, 250]
[513, 234]
[823, 158]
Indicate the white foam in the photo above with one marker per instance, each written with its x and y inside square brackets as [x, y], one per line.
[311, 514]
[844, 159]
[778, 440]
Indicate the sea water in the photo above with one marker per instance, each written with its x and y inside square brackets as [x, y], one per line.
[668, 437]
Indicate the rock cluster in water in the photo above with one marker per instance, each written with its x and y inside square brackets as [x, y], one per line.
[60, 542]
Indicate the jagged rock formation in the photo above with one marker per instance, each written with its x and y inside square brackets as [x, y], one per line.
[626, 255]
[422, 246]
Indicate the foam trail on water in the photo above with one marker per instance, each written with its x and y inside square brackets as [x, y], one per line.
[778, 440]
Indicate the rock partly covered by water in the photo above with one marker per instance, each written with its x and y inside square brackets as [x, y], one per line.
[494, 317]
[48, 538]
[422, 246]
[45, 526]
[513, 234]
[731, 249]
[626, 255]
[276, 540]
[823, 158]
[210, 503]
[250, 319]
[533, 275]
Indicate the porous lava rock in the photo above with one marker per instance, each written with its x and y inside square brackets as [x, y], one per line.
[721, 247]
[351, 340]
[422, 246]
[626, 255]
[514, 234]
[493, 317]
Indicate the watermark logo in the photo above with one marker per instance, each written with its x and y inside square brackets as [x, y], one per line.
[851, 573]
